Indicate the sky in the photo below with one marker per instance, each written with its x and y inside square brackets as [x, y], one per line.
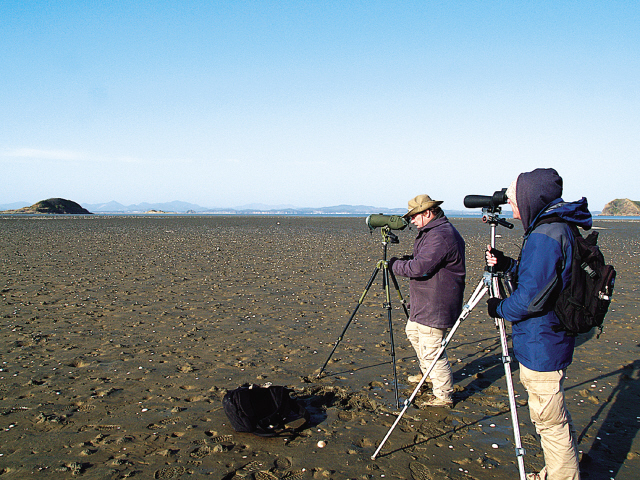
[316, 103]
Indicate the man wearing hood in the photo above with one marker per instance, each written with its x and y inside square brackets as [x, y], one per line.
[541, 273]
[437, 275]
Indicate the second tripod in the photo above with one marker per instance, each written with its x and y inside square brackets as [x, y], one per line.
[387, 274]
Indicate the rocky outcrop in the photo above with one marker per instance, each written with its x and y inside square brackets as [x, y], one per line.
[622, 207]
[53, 205]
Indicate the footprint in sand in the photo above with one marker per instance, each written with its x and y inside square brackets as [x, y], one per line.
[170, 472]
[293, 476]
[264, 475]
[107, 428]
[201, 452]
[75, 468]
[419, 471]
[249, 468]
[85, 408]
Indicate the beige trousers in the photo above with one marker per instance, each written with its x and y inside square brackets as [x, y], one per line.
[426, 341]
[553, 423]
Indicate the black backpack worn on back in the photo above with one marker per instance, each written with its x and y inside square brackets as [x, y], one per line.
[583, 304]
[264, 411]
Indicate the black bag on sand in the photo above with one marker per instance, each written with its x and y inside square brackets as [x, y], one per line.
[263, 411]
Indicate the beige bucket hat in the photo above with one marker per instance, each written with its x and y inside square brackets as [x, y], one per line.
[420, 204]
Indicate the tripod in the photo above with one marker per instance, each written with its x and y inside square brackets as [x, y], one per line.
[492, 283]
[387, 273]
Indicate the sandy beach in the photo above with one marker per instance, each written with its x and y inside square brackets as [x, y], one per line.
[122, 334]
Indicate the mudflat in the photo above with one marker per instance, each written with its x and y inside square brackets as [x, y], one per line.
[120, 336]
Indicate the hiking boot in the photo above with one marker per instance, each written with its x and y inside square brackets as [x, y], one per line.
[435, 402]
[417, 378]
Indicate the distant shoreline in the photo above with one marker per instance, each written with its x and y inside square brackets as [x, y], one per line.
[478, 215]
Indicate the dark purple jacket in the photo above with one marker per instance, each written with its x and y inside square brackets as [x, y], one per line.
[437, 273]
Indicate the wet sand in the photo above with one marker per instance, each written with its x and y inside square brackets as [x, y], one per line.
[122, 334]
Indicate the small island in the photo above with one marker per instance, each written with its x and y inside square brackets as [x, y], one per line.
[58, 206]
[622, 207]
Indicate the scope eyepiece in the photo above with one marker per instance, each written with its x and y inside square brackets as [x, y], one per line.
[394, 222]
[485, 201]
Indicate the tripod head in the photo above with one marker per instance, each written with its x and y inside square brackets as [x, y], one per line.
[388, 236]
[491, 215]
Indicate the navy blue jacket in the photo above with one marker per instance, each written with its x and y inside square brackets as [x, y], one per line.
[437, 274]
[543, 270]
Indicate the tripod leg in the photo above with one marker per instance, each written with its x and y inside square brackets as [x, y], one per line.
[397, 287]
[387, 306]
[353, 314]
[506, 360]
[479, 292]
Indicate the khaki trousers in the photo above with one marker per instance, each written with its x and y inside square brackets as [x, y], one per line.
[426, 341]
[553, 423]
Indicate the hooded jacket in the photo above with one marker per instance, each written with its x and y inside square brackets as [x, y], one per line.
[437, 274]
[543, 271]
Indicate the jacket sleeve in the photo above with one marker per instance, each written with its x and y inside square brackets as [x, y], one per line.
[539, 278]
[425, 260]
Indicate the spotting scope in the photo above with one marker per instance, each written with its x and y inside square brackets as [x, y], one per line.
[394, 222]
[486, 201]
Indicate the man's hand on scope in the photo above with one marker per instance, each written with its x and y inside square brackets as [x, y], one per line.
[496, 258]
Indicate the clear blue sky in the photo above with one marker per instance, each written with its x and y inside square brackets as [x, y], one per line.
[316, 103]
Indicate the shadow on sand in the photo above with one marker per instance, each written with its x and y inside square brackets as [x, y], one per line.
[614, 437]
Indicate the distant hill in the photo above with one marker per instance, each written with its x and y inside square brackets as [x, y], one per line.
[334, 210]
[55, 206]
[173, 207]
[178, 207]
[250, 209]
[14, 205]
[622, 207]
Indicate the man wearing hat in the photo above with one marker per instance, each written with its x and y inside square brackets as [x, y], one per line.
[437, 275]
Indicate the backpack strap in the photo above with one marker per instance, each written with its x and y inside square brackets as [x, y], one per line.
[550, 219]
[557, 219]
